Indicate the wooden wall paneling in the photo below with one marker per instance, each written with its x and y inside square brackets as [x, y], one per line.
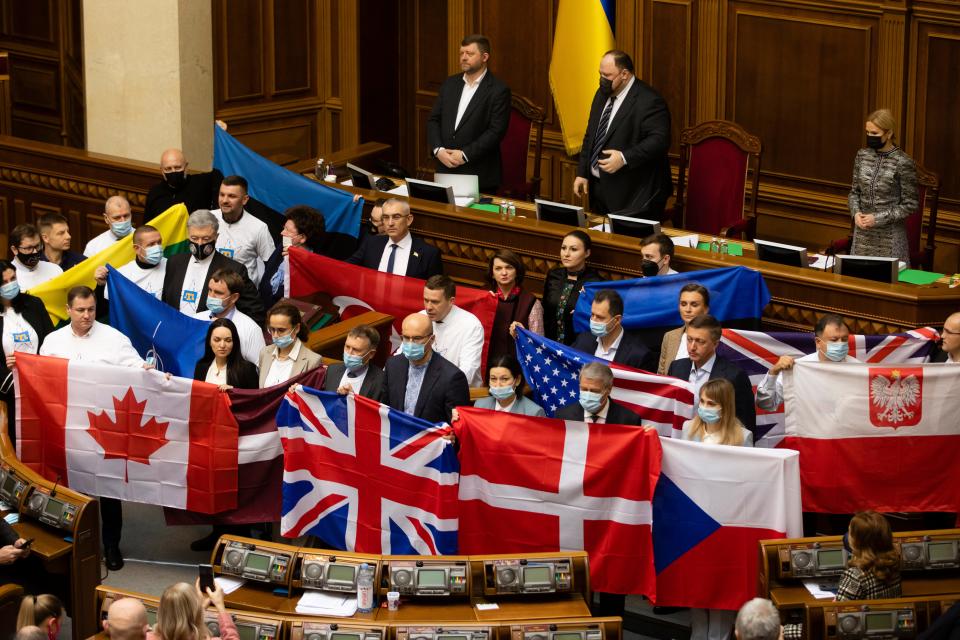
[347, 71]
[430, 63]
[671, 50]
[892, 47]
[710, 53]
[73, 102]
[295, 54]
[239, 52]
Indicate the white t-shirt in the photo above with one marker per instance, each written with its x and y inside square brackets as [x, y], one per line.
[194, 284]
[770, 389]
[150, 280]
[18, 334]
[247, 241]
[103, 344]
[101, 242]
[251, 336]
[30, 278]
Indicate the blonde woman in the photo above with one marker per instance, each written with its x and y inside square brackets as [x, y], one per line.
[884, 192]
[43, 611]
[874, 567]
[180, 614]
[716, 420]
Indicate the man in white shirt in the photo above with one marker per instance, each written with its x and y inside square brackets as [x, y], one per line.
[223, 291]
[657, 251]
[87, 340]
[458, 334]
[243, 237]
[27, 249]
[833, 345]
[147, 269]
[117, 215]
[398, 252]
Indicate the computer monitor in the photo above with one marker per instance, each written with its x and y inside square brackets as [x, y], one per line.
[787, 254]
[633, 227]
[430, 191]
[564, 214]
[464, 185]
[360, 178]
[868, 268]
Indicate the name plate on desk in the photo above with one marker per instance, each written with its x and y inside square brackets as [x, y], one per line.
[54, 511]
[455, 632]
[307, 630]
[254, 560]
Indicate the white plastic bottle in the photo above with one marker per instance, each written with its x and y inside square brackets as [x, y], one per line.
[365, 589]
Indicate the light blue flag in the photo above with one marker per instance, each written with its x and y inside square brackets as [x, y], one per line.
[154, 327]
[280, 188]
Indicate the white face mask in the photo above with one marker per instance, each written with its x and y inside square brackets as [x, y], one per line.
[286, 241]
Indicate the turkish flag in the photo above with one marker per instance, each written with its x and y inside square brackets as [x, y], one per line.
[127, 433]
[560, 485]
[356, 290]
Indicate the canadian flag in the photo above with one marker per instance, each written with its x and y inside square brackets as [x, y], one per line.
[126, 433]
[875, 437]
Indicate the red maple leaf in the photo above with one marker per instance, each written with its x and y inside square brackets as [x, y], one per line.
[128, 438]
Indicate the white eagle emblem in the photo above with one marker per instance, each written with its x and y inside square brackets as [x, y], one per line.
[895, 400]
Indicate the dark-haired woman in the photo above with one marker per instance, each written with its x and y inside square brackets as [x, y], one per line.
[563, 284]
[24, 324]
[287, 356]
[506, 389]
[222, 363]
[515, 307]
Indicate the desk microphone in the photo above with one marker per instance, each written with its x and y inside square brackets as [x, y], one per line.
[53, 492]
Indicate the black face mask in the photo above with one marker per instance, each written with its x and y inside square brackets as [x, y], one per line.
[649, 268]
[201, 251]
[30, 260]
[606, 86]
[175, 179]
[875, 142]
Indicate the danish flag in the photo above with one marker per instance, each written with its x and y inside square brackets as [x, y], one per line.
[364, 477]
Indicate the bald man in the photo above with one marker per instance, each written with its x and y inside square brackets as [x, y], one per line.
[126, 620]
[196, 191]
[950, 341]
[119, 220]
[420, 381]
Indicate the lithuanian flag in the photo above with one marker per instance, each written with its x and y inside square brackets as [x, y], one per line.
[172, 225]
[584, 32]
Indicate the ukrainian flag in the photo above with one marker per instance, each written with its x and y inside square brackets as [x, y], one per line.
[584, 33]
[172, 225]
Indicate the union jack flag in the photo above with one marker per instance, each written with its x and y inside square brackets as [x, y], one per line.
[756, 352]
[553, 370]
[364, 477]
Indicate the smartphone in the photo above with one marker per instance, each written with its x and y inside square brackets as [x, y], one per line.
[26, 544]
[206, 578]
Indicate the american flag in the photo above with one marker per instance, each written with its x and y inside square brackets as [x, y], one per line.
[756, 352]
[553, 370]
[364, 477]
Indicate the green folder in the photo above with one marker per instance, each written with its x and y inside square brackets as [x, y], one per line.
[493, 208]
[734, 248]
[915, 276]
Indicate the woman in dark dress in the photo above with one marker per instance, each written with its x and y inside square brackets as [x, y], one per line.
[515, 306]
[222, 363]
[563, 284]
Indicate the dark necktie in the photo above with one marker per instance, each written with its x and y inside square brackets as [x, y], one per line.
[593, 417]
[600, 138]
[393, 257]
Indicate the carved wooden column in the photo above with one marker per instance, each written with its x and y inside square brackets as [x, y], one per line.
[711, 50]
[890, 63]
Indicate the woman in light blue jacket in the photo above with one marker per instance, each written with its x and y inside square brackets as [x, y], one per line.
[506, 389]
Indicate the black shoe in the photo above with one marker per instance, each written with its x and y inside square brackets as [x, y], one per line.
[113, 558]
[207, 542]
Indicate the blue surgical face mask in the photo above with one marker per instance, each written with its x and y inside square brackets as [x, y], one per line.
[598, 329]
[351, 361]
[502, 393]
[215, 305]
[283, 342]
[708, 414]
[413, 350]
[837, 351]
[121, 229]
[590, 401]
[10, 290]
[153, 254]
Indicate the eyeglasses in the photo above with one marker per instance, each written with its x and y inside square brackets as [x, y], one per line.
[274, 331]
[34, 249]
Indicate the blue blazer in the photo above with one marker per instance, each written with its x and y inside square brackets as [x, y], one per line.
[524, 406]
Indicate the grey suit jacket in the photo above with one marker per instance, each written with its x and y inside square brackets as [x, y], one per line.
[306, 360]
[524, 406]
[669, 348]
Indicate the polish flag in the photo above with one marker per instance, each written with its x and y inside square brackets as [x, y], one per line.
[712, 506]
[875, 437]
[127, 433]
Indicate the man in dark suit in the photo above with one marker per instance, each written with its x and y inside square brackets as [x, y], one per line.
[470, 118]
[703, 336]
[420, 382]
[949, 348]
[185, 282]
[623, 159]
[607, 338]
[195, 191]
[356, 373]
[398, 251]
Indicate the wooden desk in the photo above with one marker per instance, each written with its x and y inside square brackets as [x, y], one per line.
[425, 612]
[573, 607]
[263, 600]
[797, 596]
[467, 238]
